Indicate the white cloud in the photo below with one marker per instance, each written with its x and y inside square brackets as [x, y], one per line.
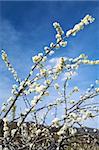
[54, 60]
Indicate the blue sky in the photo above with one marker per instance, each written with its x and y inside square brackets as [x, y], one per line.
[26, 27]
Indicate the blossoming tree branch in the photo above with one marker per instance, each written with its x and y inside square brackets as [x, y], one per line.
[39, 125]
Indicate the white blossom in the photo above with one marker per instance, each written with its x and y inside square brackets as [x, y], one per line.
[97, 90]
[76, 89]
[51, 53]
[40, 88]
[55, 122]
[38, 131]
[37, 58]
[63, 43]
[56, 86]
[85, 21]
[51, 45]
[13, 132]
[72, 131]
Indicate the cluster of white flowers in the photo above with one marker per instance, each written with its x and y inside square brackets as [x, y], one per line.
[30, 90]
[10, 99]
[10, 68]
[4, 107]
[75, 89]
[90, 62]
[6, 128]
[13, 132]
[85, 21]
[48, 50]
[60, 32]
[97, 90]
[34, 87]
[6, 148]
[72, 131]
[72, 101]
[40, 88]
[4, 55]
[73, 116]
[77, 118]
[62, 130]
[86, 114]
[70, 74]
[48, 82]
[14, 89]
[37, 58]
[43, 72]
[55, 122]
[60, 65]
[77, 60]
[38, 131]
[56, 86]
[58, 29]
[35, 100]
[24, 130]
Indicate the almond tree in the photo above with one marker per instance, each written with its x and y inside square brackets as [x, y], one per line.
[32, 129]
